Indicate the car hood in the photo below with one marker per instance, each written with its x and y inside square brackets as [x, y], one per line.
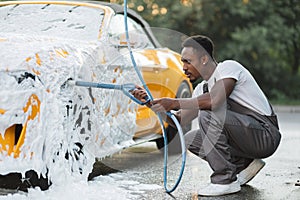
[35, 65]
[18, 51]
[50, 61]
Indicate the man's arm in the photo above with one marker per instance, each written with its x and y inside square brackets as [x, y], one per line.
[183, 116]
[208, 101]
[189, 107]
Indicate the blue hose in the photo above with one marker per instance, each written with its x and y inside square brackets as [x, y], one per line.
[159, 116]
[125, 88]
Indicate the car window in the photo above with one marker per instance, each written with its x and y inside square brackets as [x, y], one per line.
[67, 21]
[136, 31]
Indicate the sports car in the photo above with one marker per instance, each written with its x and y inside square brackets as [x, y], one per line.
[55, 128]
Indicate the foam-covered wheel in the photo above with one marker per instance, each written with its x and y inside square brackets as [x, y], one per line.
[15, 181]
[174, 145]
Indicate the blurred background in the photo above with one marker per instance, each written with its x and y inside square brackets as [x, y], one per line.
[263, 35]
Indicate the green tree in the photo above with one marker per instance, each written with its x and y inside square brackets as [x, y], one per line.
[266, 38]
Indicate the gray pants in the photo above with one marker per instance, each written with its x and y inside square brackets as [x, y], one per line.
[230, 144]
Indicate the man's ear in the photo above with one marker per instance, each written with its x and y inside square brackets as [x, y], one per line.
[204, 59]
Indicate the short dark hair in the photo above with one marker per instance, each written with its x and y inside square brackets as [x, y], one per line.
[200, 42]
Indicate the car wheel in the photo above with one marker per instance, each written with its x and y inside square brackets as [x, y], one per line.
[15, 181]
[174, 145]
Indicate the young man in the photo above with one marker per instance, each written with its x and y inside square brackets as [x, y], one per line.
[237, 125]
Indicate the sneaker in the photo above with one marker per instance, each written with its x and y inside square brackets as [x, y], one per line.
[249, 172]
[220, 189]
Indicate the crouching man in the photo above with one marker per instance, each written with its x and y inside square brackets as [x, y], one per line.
[237, 125]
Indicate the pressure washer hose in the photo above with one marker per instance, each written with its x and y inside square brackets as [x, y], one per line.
[159, 116]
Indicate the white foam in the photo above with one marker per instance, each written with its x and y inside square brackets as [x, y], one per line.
[98, 119]
[114, 186]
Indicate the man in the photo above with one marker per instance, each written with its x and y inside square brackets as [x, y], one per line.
[237, 125]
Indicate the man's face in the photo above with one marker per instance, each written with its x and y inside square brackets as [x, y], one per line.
[191, 63]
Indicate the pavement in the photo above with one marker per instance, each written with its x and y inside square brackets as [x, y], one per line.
[279, 179]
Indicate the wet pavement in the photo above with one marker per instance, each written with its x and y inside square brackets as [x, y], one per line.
[139, 170]
[279, 179]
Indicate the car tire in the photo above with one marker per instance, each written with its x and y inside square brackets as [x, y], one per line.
[15, 181]
[174, 144]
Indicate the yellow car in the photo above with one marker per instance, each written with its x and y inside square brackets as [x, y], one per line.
[47, 124]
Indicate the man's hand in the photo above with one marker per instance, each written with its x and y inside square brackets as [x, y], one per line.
[141, 94]
[164, 105]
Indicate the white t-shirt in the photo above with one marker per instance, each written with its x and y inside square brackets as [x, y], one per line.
[246, 91]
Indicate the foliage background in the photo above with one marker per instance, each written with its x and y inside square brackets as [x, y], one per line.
[264, 35]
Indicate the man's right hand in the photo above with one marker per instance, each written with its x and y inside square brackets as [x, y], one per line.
[141, 94]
